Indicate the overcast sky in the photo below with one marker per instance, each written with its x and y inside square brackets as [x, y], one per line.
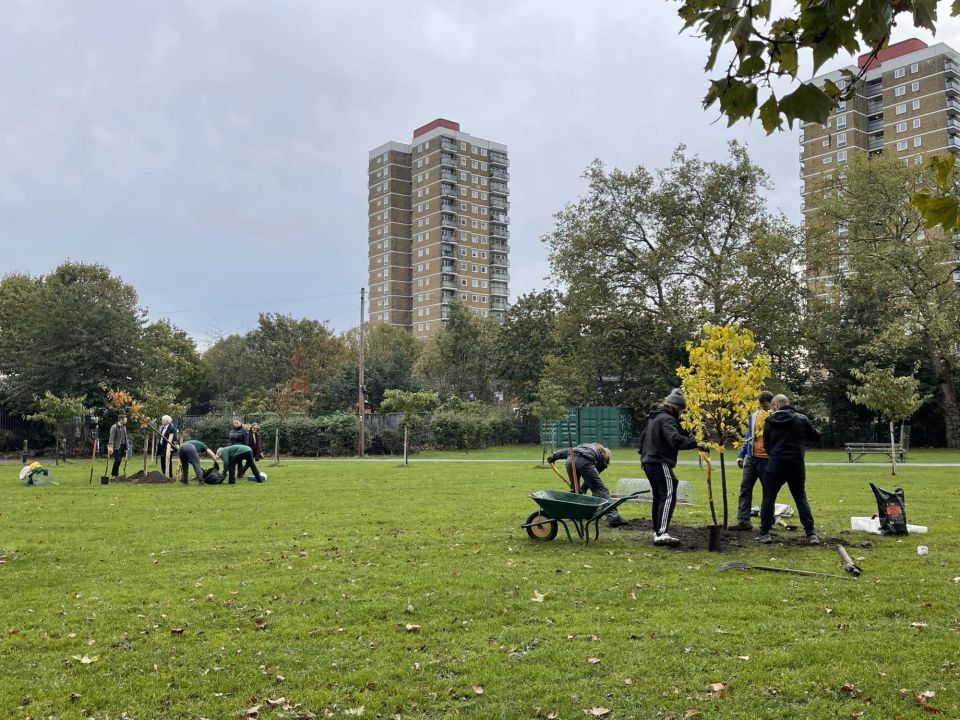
[213, 152]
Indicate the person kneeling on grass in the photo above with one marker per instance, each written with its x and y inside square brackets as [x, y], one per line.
[659, 444]
[238, 456]
[189, 455]
[592, 459]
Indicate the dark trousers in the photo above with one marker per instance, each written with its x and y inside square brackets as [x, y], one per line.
[243, 461]
[588, 478]
[162, 454]
[795, 477]
[189, 457]
[118, 454]
[663, 485]
[752, 471]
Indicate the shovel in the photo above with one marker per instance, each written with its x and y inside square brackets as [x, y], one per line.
[747, 566]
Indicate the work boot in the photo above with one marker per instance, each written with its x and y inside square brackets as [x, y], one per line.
[764, 539]
[615, 522]
[813, 539]
[742, 525]
[665, 539]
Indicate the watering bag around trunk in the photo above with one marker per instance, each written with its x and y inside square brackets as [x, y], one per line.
[891, 511]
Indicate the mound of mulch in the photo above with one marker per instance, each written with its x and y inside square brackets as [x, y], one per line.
[698, 538]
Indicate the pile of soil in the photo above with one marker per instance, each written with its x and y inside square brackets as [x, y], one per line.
[698, 538]
[154, 477]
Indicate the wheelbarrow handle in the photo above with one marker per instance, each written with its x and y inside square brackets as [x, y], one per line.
[611, 506]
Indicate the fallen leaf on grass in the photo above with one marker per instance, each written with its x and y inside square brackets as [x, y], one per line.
[275, 702]
[718, 689]
[924, 697]
[843, 626]
[280, 678]
[828, 610]
[593, 661]
[355, 712]
[477, 690]
[628, 681]
[743, 657]
[919, 625]
[599, 711]
[13, 631]
[851, 690]
[74, 696]
[85, 660]
[412, 628]
[252, 711]
[691, 712]
[176, 631]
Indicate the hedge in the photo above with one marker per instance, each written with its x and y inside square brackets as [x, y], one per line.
[333, 435]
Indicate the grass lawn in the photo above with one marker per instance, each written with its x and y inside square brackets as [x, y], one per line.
[369, 589]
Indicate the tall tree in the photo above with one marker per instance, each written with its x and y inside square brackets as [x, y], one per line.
[648, 258]
[866, 240]
[456, 361]
[527, 336]
[83, 330]
[171, 361]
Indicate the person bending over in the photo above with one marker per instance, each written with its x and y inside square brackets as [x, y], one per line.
[189, 454]
[592, 459]
[234, 456]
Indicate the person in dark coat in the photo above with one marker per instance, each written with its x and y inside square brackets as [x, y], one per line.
[238, 435]
[660, 442]
[784, 434]
[168, 434]
[117, 443]
[256, 442]
[592, 459]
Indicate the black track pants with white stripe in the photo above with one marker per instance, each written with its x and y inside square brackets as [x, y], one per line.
[663, 485]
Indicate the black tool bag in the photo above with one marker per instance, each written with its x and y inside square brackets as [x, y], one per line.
[212, 476]
[891, 510]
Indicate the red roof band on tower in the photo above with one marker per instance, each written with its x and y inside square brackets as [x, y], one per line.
[440, 122]
[905, 47]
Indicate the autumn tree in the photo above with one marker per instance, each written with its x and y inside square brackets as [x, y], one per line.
[56, 412]
[758, 45]
[893, 398]
[550, 406]
[457, 360]
[408, 403]
[285, 400]
[721, 382]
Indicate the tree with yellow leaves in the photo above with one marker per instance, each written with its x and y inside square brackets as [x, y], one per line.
[721, 383]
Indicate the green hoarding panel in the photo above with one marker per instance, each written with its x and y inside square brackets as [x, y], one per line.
[608, 425]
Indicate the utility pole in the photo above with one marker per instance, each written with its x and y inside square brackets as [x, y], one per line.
[361, 405]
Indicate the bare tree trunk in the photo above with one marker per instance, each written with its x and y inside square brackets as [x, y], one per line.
[406, 430]
[276, 446]
[893, 451]
[943, 371]
[146, 449]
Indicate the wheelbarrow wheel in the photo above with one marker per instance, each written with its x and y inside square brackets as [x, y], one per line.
[546, 531]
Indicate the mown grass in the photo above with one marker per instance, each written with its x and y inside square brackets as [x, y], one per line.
[303, 588]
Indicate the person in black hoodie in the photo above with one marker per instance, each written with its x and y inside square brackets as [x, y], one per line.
[238, 435]
[592, 459]
[784, 433]
[662, 438]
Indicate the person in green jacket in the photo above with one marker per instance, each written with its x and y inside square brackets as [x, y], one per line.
[189, 454]
[237, 455]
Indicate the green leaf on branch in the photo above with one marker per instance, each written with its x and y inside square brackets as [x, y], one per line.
[942, 165]
[770, 115]
[808, 103]
[936, 210]
[925, 14]
[737, 98]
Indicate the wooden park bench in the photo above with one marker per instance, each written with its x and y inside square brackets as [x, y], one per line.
[855, 451]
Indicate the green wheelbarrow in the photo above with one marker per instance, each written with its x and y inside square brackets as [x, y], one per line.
[581, 510]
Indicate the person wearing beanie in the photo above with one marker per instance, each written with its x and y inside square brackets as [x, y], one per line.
[660, 442]
[752, 459]
[592, 459]
[784, 434]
